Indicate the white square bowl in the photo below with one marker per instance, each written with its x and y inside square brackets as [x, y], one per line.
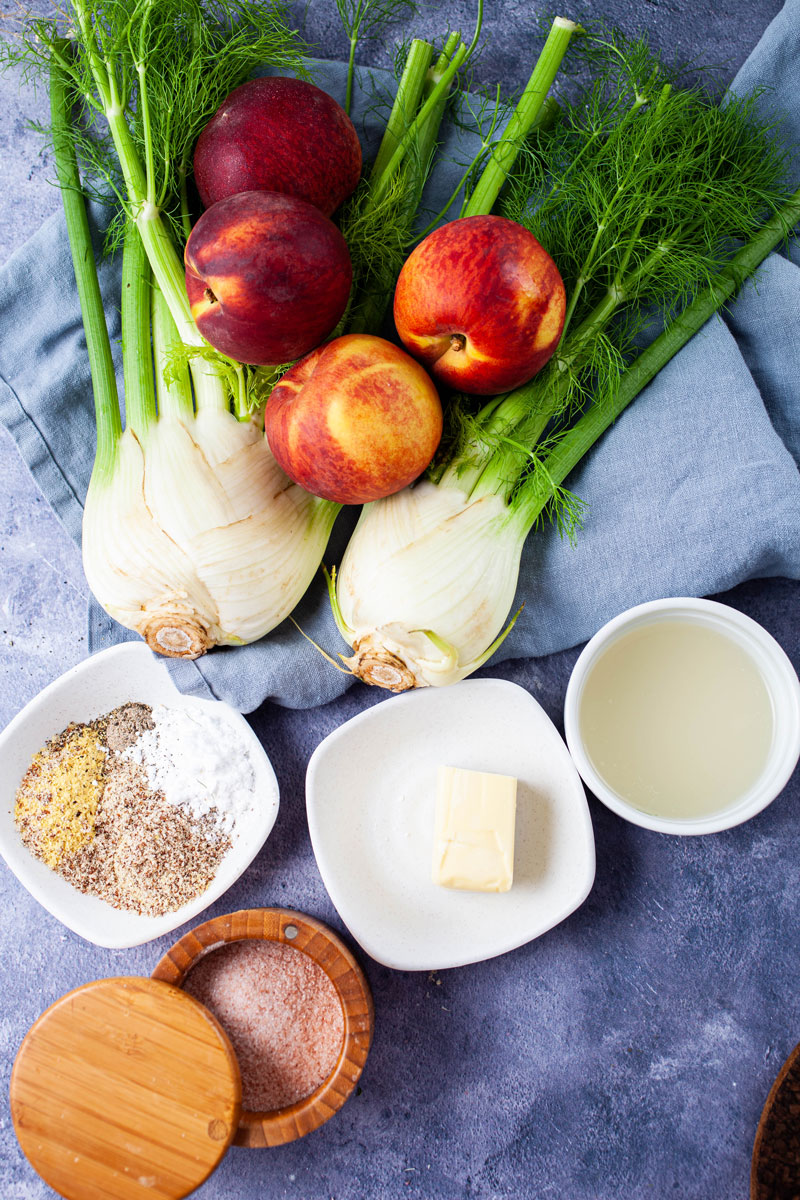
[371, 796]
[97, 685]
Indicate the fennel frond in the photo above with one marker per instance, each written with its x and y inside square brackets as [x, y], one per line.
[364, 20]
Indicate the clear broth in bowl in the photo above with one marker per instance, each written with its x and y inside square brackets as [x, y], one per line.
[677, 718]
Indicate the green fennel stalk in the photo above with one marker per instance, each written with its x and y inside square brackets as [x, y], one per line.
[522, 119]
[364, 19]
[376, 220]
[426, 141]
[429, 107]
[104, 382]
[380, 220]
[137, 359]
[410, 89]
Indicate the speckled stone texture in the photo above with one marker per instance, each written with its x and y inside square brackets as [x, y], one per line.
[628, 1052]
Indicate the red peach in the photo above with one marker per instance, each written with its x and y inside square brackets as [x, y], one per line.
[268, 276]
[481, 303]
[355, 420]
[279, 135]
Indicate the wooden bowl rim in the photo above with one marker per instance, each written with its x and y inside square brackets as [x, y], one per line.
[792, 1062]
[279, 1126]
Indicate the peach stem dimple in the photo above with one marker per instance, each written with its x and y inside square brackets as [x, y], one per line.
[457, 342]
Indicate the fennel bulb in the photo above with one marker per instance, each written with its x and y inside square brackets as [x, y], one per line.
[426, 584]
[192, 534]
[638, 193]
[196, 538]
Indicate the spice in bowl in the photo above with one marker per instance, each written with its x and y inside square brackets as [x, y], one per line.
[137, 807]
[282, 1014]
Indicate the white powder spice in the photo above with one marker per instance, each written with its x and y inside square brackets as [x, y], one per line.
[200, 763]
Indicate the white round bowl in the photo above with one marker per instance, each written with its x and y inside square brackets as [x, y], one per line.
[779, 677]
[95, 686]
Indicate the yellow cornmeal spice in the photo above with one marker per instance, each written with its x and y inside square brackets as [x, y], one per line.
[56, 802]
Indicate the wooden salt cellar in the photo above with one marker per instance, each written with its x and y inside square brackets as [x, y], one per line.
[125, 1088]
[129, 1089]
[325, 948]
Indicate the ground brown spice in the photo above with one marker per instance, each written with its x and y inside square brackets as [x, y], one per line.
[131, 847]
[125, 723]
[147, 855]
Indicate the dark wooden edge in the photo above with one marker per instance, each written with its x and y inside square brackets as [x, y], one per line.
[791, 1062]
[327, 950]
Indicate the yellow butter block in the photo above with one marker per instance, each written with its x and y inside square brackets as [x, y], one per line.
[473, 844]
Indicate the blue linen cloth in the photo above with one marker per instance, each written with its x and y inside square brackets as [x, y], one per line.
[693, 490]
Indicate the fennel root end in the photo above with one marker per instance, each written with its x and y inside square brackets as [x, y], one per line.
[381, 668]
[177, 637]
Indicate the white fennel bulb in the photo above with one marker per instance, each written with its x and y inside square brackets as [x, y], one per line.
[426, 584]
[196, 537]
[192, 534]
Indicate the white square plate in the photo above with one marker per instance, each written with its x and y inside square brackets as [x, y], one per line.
[95, 686]
[371, 796]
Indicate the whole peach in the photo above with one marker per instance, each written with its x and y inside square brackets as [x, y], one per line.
[355, 420]
[481, 303]
[279, 135]
[268, 276]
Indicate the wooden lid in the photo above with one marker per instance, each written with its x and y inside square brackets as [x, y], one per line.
[125, 1089]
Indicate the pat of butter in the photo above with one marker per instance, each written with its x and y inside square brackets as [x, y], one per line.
[473, 845]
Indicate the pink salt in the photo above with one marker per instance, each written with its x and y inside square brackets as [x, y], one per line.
[281, 1013]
